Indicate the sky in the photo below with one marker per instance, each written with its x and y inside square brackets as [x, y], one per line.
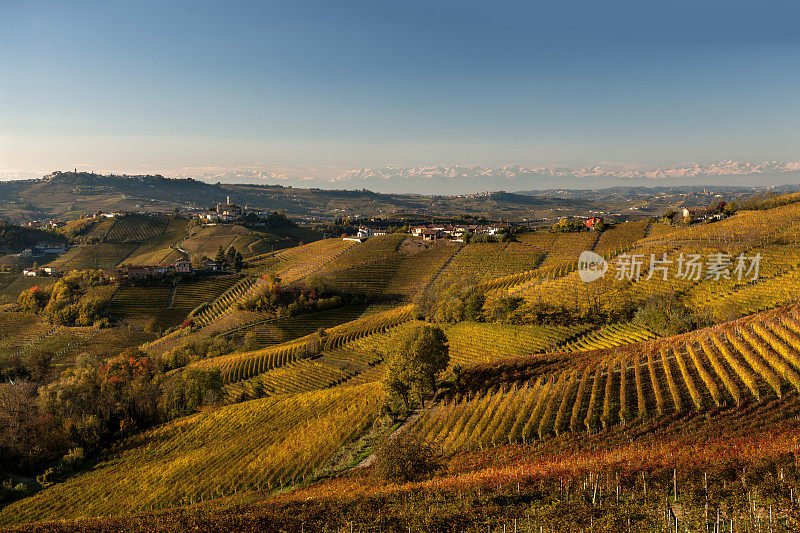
[149, 86]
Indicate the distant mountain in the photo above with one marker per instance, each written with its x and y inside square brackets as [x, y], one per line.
[73, 194]
[464, 179]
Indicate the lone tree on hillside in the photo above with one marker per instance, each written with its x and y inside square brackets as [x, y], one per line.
[414, 363]
[230, 255]
[220, 258]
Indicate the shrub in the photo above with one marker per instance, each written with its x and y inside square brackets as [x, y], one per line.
[665, 316]
[405, 456]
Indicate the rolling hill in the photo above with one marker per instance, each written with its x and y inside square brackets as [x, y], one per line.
[563, 407]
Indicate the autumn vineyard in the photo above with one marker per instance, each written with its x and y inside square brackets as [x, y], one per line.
[398, 383]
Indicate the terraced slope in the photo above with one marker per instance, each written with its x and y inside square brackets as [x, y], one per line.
[238, 292]
[301, 261]
[298, 376]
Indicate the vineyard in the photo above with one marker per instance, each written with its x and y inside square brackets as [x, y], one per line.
[418, 268]
[277, 331]
[296, 263]
[241, 447]
[94, 256]
[190, 294]
[621, 237]
[238, 292]
[371, 280]
[205, 241]
[608, 336]
[21, 330]
[374, 249]
[746, 360]
[145, 303]
[299, 376]
[481, 262]
[130, 229]
[567, 247]
[10, 292]
[241, 366]
[748, 228]
[472, 342]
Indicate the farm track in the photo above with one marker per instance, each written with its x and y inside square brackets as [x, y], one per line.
[442, 269]
[171, 297]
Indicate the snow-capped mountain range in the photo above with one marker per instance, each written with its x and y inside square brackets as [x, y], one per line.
[473, 178]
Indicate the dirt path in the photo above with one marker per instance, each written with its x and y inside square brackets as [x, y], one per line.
[407, 423]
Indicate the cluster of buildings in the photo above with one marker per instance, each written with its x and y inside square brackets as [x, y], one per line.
[42, 249]
[181, 266]
[702, 212]
[52, 223]
[229, 212]
[435, 232]
[142, 272]
[39, 271]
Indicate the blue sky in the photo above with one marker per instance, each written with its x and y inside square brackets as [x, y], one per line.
[147, 85]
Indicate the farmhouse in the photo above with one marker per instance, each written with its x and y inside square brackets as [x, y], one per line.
[33, 272]
[495, 228]
[698, 212]
[431, 234]
[365, 232]
[50, 248]
[139, 272]
[183, 266]
[211, 265]
[593, 221]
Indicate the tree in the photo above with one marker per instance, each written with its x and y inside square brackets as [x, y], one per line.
[230, 256]
[220, 257]
[238, 261]
[415, 362]
[405, 456]
[666, 316]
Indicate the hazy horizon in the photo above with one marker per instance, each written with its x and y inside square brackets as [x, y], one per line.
[469, 179]
[152, 87]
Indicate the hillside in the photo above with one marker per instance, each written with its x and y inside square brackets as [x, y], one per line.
[564, 405]
[69, 195]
